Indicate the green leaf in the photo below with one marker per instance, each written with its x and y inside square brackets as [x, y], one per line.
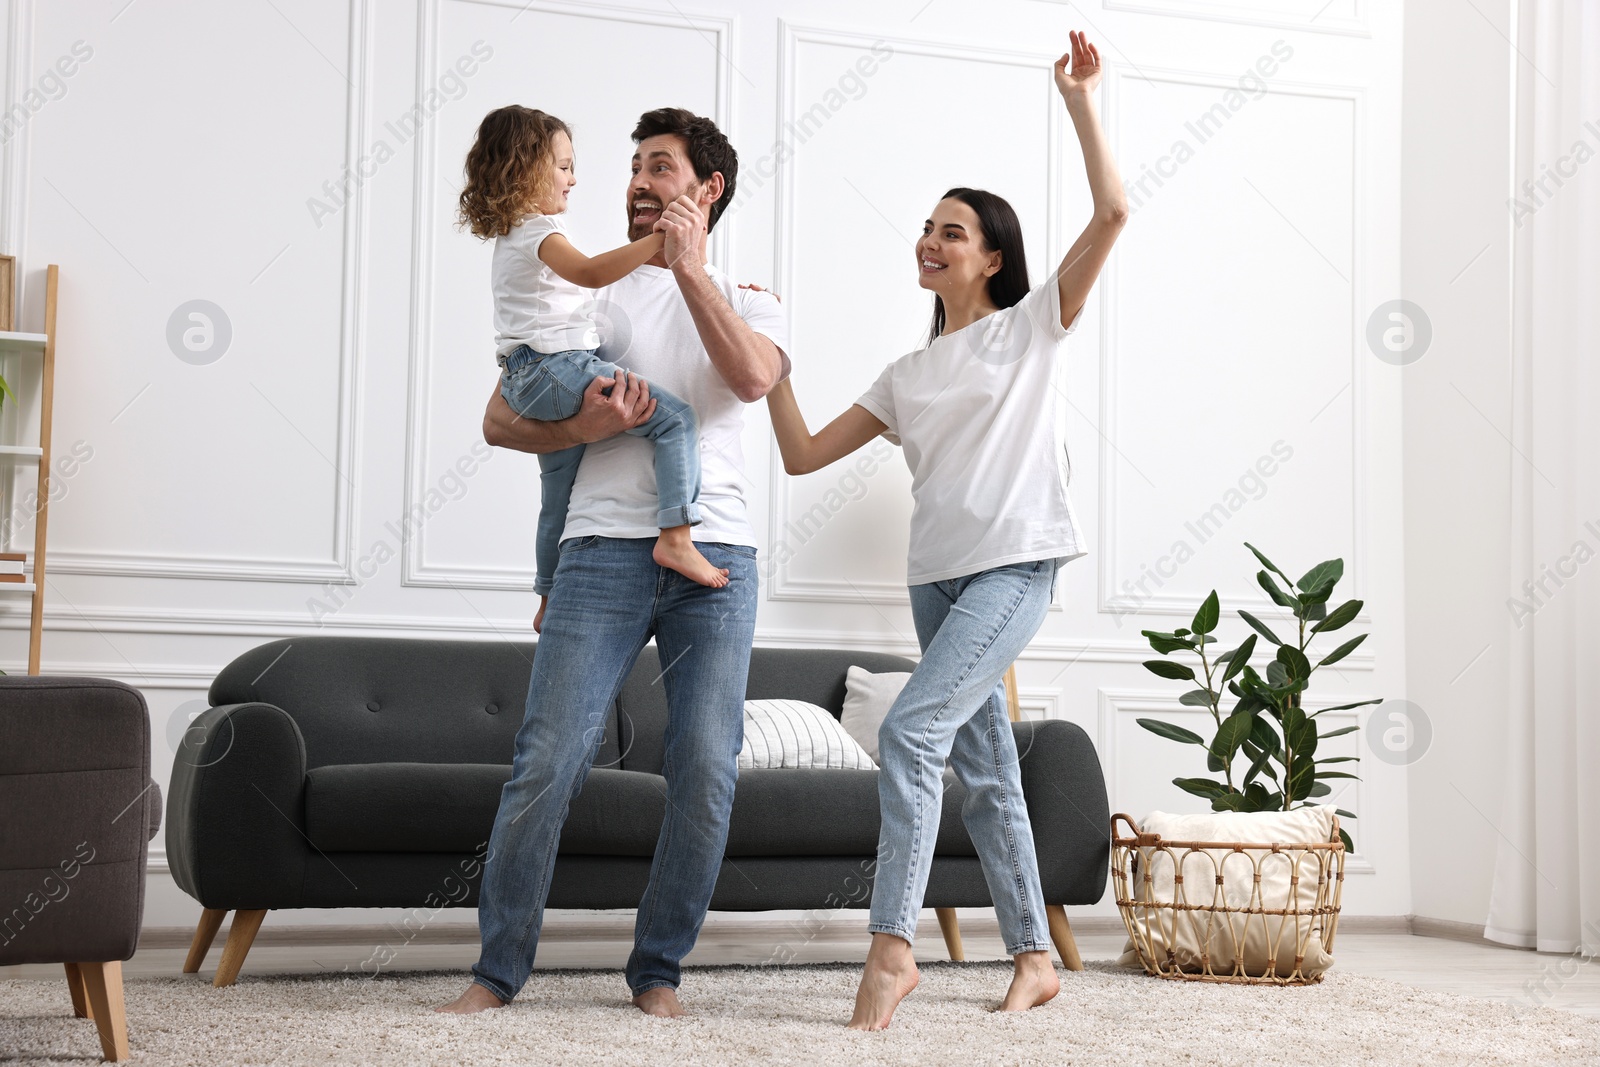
[1171, 732]
[1322, 578]
[1341, 731]
[1205, 620]
[1230, 735]
[5, 391]
[1265, 562]
[1277, 673]
[1201, 787]
[1196, 698]
[1339, 616]
[1349, 845]
[1344, 814]
[1260, 627]
[1299, 733]
[1182, 631]
[1295, 661]
[1347, 707]
[1259, 765]
[1319, 789]
[1228, 802]
[1342, 651]
[1257, 798]
[1336, 774]
[1315, 610]
[1239, 657]
[1337, 759]
[1302, 776]
[1264, 736]
[1166, 669]
[1279, 597]
[1166, 644]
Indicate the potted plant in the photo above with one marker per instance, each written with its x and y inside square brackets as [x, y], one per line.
[1266, 730]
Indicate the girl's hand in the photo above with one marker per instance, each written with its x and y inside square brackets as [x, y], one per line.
[753, 287]
[1079, 70]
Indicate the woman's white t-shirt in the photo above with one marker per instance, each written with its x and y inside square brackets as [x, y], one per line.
[976, 414]
[533, 305]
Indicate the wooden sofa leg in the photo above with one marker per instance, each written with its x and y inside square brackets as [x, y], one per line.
[80, 998]
[204, 934]
[241, 934]
[1061, 934]
[103, 984]
[952, 932]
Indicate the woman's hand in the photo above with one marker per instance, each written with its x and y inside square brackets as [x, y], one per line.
[1078, 72]
[753, 287]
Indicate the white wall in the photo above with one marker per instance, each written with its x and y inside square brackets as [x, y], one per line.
[186, 159]
[1456, 242]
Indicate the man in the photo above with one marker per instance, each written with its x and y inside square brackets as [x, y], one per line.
[682, 323]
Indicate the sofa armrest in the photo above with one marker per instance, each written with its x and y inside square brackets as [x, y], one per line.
[236, 809]
[1068, 807]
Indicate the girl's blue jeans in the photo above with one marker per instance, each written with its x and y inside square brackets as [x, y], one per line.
[549, 387]
[953, 708]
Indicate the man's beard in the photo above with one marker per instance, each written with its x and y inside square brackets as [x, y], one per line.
[639, 231]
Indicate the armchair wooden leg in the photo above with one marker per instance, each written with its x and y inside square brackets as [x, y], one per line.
[80, 998]
[241, 934]
[103, 983]
[952, 932]
[204, 934]
[1061, 934]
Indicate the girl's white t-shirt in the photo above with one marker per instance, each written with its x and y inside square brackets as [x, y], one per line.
[533, 305]
[976, 415]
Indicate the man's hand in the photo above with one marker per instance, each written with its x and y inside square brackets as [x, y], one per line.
[684, 224]
[600, 417]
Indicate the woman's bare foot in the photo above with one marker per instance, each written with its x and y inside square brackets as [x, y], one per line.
[662, 1002]
[1033, 981]
[538, 620]
[676, 552]
[475, 999]
[890, 975]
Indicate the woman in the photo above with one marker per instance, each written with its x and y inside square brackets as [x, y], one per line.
[975, 412]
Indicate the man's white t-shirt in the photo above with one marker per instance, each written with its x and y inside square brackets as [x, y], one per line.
[976, 414]
[533, 305]
[645, 327]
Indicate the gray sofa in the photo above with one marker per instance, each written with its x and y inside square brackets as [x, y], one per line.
[339, 771]
[79, 811]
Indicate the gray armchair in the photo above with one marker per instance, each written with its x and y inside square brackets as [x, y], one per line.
[80, 812]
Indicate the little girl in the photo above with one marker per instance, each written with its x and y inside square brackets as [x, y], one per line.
[519, 175]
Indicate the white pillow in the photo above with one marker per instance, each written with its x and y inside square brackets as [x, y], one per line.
[1264, 935]
[867, 699]
[792, 733]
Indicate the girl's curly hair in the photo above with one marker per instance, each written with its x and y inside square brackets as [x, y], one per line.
[508, 169]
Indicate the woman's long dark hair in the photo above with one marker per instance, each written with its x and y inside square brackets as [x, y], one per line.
[1001, 233]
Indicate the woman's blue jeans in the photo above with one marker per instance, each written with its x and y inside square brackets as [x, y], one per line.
[953, 708]
[549, 387]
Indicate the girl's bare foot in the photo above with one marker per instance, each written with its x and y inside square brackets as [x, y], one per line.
[1033, 981]
[538, 620]
[890, 975]
[475, 999]
[662, 1002]
[676, 552]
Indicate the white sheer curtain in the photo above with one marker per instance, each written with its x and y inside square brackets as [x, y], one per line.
[1547, 874]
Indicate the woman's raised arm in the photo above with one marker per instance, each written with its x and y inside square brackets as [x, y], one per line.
[804, 452]
[1077, 76]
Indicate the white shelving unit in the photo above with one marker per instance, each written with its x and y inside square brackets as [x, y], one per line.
[43, 347]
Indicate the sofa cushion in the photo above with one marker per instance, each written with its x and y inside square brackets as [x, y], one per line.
[450, 807]
[444, 807]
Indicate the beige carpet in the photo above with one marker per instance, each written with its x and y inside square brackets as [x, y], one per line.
[793, 1015]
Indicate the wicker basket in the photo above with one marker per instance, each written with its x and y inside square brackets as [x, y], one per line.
[1213, 922]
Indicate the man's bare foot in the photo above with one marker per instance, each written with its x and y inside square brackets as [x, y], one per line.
[1033, 981]
[662, 1002]
[676, 552]
[538, 620]
[890, 975]
[474, 1000]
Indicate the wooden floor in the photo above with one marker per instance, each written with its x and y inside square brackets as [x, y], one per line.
[1478, 970]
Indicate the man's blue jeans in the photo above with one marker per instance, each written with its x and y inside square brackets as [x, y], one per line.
[549, 387]
[610, 596]
[953, 707]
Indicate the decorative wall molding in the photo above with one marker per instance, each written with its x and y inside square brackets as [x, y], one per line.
[416, 571]
[352, 316]
[1239, 14]
[783, 585]
[1107, 575]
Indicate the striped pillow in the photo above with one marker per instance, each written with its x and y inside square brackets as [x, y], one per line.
[792, 733]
